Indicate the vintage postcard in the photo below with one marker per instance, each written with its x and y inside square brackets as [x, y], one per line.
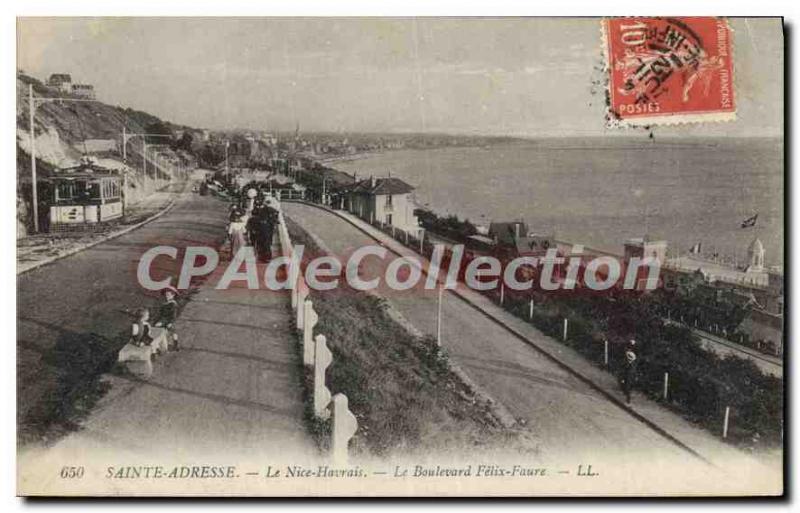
[429, 257]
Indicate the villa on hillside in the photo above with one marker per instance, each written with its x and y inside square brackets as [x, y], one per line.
[385, 200]
[60, 81]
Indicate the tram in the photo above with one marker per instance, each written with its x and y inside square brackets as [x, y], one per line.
[85, 195]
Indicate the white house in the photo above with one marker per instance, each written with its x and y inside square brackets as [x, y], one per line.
[385, 200]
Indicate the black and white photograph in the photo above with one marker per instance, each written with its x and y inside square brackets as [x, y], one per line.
[415, 256]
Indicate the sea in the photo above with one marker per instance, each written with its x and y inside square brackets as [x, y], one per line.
[600, 192]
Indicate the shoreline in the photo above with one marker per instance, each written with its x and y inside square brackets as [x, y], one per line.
[454, 170]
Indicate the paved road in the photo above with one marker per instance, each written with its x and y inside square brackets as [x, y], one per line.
[574, 422]
[234, 383]
[231, 396]
[80, 299]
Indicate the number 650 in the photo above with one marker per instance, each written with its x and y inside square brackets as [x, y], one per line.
[71, 472]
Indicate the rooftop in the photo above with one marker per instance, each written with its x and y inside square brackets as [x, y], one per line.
[716, 271]
[382, 186]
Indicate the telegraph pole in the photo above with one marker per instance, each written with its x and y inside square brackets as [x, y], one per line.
[34, 192]
[227, 174]
[31, 112]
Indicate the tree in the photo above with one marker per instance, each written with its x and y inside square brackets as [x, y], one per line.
[185, 142]
[158, 128]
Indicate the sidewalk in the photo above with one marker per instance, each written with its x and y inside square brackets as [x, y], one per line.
[231, 394]
[40, 249]
[671, 425]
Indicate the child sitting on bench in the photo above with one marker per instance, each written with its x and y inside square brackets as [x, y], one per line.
[140, 331]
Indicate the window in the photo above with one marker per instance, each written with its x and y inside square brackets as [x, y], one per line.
[388, 201]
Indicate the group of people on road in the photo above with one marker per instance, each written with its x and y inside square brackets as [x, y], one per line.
[252, 222]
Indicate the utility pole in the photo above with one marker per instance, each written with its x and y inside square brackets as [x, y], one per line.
[34, 192]
[31, 111]
[144, 166]
[227, 174]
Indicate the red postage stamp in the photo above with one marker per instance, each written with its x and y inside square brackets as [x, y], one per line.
[669, 70]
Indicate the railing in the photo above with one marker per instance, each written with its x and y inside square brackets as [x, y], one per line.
[316, 354]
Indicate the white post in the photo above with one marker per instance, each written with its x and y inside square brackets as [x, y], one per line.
[322, 359]
[666, 385]
[725, 423]
[310, 320]
[406, 238]
[294, 281]
[530, 311]
[566, 326]
[302, 294]
[34, 187]
[502, 293]
[345, 426]
[421, 239]
[605, 352]
[439, 318]
[393, 231]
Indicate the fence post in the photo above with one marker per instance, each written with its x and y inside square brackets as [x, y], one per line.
[439, 319]
[322, 359]
[310, 320]
[605, 351]
[293, 282]
[345, 426]
[421, 239]
[393, 230]
[502, 293]
[566, 328]
[302, 296]
[406, 237]
[530, 310]
[725, 422]
[666, 385]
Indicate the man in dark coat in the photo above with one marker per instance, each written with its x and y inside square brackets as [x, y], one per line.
[629, 376]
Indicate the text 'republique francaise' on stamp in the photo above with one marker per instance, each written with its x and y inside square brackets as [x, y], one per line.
[665, 71]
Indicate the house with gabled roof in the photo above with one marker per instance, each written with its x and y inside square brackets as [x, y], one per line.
[384, 200]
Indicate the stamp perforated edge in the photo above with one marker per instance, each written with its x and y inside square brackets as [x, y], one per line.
[614, 121]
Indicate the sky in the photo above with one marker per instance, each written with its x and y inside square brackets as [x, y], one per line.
[532, 77]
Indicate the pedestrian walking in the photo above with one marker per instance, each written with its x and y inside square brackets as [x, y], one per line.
[237, 234]
[629, 373]
[260, 229]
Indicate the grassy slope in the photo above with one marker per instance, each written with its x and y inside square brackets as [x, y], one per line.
[399, 385]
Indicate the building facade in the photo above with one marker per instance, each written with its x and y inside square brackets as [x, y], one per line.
[60, 81]
[84, 91]
[384, 200]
